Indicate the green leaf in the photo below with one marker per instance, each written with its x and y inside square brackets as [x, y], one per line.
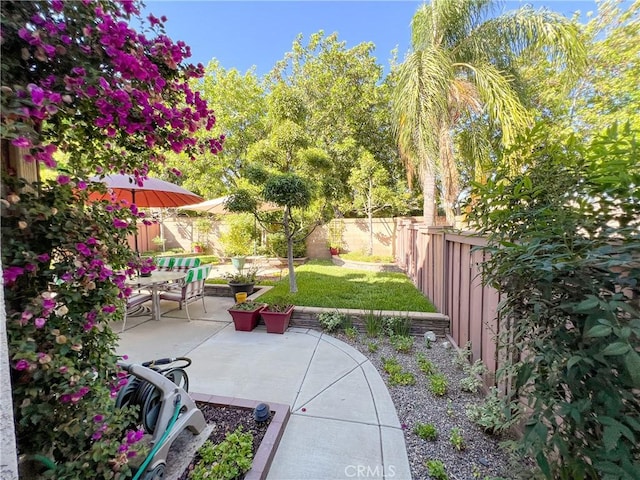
[632, 363]
[598, 331]
[616, 348]
[610, 438]
[589, 304]
[573, 360]
[543, 464]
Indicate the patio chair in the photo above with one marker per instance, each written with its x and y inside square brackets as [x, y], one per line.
[164, 264]
[133, 301]
[192, 288]
[182, 264]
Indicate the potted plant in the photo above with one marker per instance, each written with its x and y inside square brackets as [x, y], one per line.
[242, 281]
[197, 247]
[277, 314]
[334, 248]
[245, 315]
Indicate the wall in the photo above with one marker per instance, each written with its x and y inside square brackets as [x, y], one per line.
[179, 233]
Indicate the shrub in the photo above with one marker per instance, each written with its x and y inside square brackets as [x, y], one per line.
[425, 365]
[426, 431]
[435, 469]
[227, 460]
[438, 384]
[277, 244]
[396, 326]
[239, 239]
[401, 344]
[396, 375]
[372, 347]
[563, 247]
[473, 381]
[462, 356]
[457, 440]
[351, 333]
[490, 414]
[331, 321]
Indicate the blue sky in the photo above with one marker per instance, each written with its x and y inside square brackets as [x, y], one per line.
[241, 33]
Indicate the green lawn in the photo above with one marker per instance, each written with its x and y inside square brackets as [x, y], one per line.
[322, 284]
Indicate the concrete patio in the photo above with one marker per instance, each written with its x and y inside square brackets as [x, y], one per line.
[343, 422]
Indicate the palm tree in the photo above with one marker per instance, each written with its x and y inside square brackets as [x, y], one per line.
[461, 77]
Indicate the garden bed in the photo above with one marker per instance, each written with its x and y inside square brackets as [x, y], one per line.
[223, 415]
[482, 456]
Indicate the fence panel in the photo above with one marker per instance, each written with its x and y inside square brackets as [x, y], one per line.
[446, 268]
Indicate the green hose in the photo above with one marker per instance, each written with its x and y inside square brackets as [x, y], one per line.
[157, 446]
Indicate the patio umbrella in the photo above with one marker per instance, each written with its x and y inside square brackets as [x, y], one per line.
[153, 193]
[217, 206]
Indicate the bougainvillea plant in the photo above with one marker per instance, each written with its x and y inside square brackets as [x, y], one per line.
[79, 80]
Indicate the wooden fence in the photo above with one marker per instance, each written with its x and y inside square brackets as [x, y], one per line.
[446, 268]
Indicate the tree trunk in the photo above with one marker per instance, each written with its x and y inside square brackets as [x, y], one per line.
[370, 215]
[293, 286]
[429, 197]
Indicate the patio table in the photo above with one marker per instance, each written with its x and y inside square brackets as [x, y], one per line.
[153, 282]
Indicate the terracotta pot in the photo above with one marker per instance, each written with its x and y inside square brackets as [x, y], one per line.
[245, 320]
[276, 322]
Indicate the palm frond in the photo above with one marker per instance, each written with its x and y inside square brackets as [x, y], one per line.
[507, 36]
[500, 99]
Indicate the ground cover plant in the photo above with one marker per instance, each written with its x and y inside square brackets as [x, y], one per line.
[322, 284]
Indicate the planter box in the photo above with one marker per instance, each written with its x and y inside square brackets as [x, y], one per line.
[276, 322]
[245, 320]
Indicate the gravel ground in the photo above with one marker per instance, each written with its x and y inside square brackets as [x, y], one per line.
[415, 404]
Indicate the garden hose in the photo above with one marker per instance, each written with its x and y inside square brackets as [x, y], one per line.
[157, 446]
[146, 396]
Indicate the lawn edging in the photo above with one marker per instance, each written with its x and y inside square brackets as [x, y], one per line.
[421, 322]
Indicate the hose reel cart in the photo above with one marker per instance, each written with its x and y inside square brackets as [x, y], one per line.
[165, 408]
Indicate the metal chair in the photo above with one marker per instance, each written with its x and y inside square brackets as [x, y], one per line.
[133, 301]
[192, 288]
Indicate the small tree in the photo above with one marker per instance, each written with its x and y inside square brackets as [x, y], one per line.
[373, 190]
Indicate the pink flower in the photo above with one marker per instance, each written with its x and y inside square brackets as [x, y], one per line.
[21, 142]
[119, 223]
[43, 257]
[22, 364]
[37, 94]
[11, 274]
[63, 179]
[109, 308]
[82, 185]
[39, 322]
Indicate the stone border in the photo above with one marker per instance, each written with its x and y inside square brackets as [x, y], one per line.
[267, 450]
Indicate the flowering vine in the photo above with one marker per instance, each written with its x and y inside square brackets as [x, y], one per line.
[82, 93]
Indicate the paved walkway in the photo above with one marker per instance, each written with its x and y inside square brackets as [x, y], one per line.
[343, 422]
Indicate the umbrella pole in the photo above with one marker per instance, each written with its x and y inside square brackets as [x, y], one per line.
[135, 235]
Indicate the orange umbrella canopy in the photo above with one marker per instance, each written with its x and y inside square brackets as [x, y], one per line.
[153, 193]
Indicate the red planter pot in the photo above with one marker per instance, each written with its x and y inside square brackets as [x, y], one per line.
[276, 322]
[245, 320]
